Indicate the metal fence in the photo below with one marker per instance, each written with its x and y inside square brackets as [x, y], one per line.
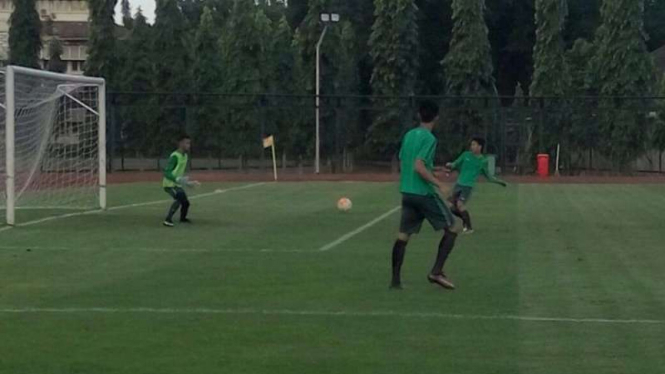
[363, 132]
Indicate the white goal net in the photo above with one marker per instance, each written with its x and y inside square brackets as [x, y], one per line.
[52, 132]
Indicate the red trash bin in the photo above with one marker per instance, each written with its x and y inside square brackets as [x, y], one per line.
[543, 165]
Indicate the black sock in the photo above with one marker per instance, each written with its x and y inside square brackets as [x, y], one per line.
[184, 210]
[457, 213]
[398, 258]
[174, 208]
[466, 218]
[445, 248]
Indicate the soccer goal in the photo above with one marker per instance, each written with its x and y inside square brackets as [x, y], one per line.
[53, 142]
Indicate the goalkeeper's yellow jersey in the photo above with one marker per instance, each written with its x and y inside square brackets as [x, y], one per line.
[175, 169]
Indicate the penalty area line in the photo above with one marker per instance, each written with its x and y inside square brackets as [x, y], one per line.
[129, 206]
[324, 313]
[359, 230]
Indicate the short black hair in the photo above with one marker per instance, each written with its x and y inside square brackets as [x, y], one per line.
[182, 137]
[481, 141]
[428, 111]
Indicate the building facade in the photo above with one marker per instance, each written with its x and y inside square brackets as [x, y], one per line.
[67, 20]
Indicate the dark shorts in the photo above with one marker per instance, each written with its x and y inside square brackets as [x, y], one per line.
[461, 194]
[176, 193]
[416, 209]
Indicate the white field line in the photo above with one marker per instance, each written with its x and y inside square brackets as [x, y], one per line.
[155, 250]
[323, 313]
[128, 206]
[359, 230]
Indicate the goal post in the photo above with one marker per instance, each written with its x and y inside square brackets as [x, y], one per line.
[54, 140]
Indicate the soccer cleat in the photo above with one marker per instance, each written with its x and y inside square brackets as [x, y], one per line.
[168, 223]
[185, 220]
[468, 231]
[441, 280]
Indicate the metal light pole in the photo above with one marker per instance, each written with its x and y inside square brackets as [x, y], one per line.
[326, 19]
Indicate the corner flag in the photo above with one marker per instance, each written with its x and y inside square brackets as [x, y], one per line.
[269, 142]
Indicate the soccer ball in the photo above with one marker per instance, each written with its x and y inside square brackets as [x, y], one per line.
[344, 204]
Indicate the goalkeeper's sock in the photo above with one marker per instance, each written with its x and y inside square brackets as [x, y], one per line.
[399, 249]
[184, 210]
[445, 248]
[174, 208]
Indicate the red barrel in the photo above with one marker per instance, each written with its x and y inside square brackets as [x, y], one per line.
[543, 165]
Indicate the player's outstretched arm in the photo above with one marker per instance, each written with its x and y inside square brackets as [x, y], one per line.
[455, 165]
[492, 178]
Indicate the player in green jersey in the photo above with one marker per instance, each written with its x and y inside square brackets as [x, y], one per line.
[175, 179]
[471, 165]
[421, 198]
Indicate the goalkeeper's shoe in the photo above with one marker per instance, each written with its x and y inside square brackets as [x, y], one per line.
[168, 223]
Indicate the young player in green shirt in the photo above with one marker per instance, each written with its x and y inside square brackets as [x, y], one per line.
[421, 198]
[175, 179]
[471, 165]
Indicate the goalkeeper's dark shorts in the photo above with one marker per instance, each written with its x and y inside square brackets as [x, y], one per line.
[417, 208]
[177, 193]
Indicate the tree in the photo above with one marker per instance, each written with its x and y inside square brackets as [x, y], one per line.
[245, 47]
[127, 19]
[394, 50]
[658, 138]
[468, 68]
[207, 74]
[55, 51]
[584, 124]
[102, 54]
[24, 34]
[551, 77]
[622, 67]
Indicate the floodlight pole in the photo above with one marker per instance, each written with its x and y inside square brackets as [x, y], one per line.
[317, 161]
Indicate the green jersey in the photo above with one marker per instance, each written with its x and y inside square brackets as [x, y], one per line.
[175, 169]
[418, 144]
[471, 166]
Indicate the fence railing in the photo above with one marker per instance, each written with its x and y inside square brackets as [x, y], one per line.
[364, 132]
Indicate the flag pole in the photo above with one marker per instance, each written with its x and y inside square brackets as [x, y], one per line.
[274, 161]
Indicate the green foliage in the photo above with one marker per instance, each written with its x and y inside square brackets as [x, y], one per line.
[394, 50]
[55, 51]
[468, 65]
[658, 136]
[102, 54]
[622, 67]
[207, 75]
[584, 124]
[24, 34]
[469, 72]
[170, 48]
[551, 76]
[246, 55]
[127, 19]
[434, 30]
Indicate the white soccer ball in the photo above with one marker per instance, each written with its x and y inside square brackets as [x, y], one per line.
[344, 204]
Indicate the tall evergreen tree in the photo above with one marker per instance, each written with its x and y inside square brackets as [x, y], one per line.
[245, 47]
[127, 19]
[394, 51]
[207, 74]
[551, 76]
[170, 49]
[55, 51]
[658, 138]
[102, 46]
[434, 31]
[25, 40]
[469, 72]
[622, 67]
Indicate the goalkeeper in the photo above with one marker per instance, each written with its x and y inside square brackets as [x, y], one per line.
[175, 179]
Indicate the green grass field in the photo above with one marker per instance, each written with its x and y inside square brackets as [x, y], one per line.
[556, 279]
